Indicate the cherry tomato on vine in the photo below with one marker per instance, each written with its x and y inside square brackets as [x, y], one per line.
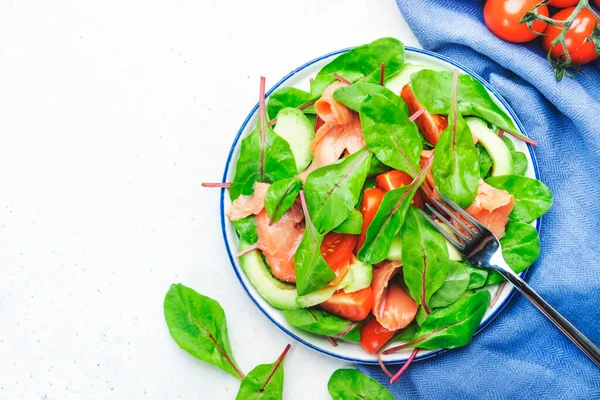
[563, 3]
[581, 52]
[502, 19]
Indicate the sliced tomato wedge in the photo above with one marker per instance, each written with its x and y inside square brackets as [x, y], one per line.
[393, 179]
[337, 251]
[372, 198]
[431, 126]
[350, 306]
[373, 336]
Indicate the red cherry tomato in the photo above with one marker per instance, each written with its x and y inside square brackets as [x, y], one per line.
[502, 19]
[337, 251]
[372, 198]
[350, 306]
[392, 180]
[563, 3]
[373, 336]
[581, 52]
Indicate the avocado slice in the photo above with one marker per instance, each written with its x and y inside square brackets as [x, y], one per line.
[276, 293]
[293, 126]
[502, 162]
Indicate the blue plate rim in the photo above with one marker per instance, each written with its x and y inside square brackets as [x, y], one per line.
[226, 171]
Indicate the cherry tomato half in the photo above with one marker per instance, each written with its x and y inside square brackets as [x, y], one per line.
[351, 306]
[502, 19]
[337, 251]
[581, 52]
[372, 198]
[373, 335]
[563, 3]
[393, 179]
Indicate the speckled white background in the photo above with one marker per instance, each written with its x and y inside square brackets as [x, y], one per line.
[111, 114]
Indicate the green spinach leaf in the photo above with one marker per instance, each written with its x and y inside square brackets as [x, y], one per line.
[477, 276]
[280, 197]
[285, 97]
[390, 135]
[361, 63]
[377, 168]
[407, 334]
[485, 162]
[520, 248]
[433, 89]
[454, 325]
[333, 191]
[312, 271]
[322, 323]
[455, 284]
[351, 384]
[354, 95]
[519, 159]
[388, 220]
[456, 163]
[246, 229]
[264, 382]
[532, 198]
[263, 158]
[424, 258]
[351, 225]
[197, 324]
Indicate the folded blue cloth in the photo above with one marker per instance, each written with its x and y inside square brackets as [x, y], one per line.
[521, 354]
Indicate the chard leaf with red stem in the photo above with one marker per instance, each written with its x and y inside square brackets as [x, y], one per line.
[350, 384]
[281, 196]
[264, 382]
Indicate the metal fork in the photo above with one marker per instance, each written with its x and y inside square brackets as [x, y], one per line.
[482, 249]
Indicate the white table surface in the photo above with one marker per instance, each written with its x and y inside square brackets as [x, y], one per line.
[112, 113]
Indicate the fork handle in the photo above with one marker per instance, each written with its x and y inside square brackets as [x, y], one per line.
[589, 348]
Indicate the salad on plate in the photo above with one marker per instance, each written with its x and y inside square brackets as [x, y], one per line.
[327, 191]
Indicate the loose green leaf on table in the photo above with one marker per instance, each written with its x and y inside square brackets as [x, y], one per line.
[456, 164]
[519, 159]
[197, 324]
[424, 258]
[456, 283]
[354, 95]
[520, 248]
[485, 162]
[264, 382]
[388, 220]
[246, 229]
[351, 384]
[433, 90]
[312, 271]
[285, 97]
[390, 135]
[280, 197]
[333, 191]
[322, 323]
[532, 198]
[454, 325]
[262, 159]
[361, 63]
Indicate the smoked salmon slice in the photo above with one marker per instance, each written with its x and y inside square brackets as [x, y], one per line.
[393, 308]
[491, 207]
[244, 206]
[431, 126]
[280, 240]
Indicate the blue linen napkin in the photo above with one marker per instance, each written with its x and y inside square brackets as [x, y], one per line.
[521, 354]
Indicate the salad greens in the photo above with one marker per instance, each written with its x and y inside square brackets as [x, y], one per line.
[353, 96]
[350, 384]
[485, 162]
[246, 229]
[477, 277]
[424, 257]
[532, 198]
[519, 159]
[456, 165]
[456, 283]
[197, 323]
[351, 225]
[280, 197]
[285, 97]
[361, 63]
[333, 191]
[322, 323]
[312, 271]
[264, 382]
[390, 135]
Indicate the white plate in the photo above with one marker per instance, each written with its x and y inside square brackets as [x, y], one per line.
[347, 351]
